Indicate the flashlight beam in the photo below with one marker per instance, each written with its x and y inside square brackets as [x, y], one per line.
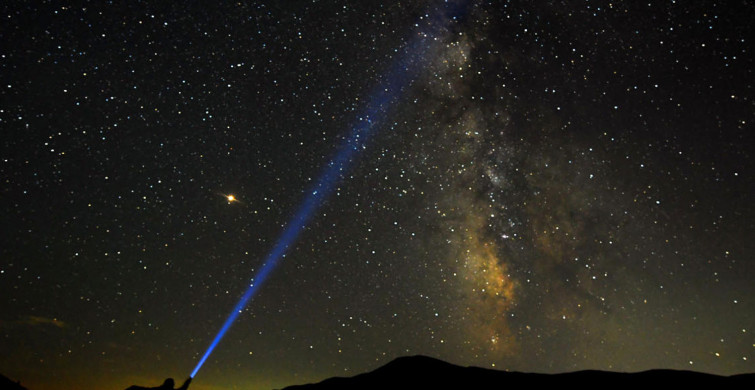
[389, 88]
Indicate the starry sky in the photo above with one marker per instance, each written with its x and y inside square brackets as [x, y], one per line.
[547, 187]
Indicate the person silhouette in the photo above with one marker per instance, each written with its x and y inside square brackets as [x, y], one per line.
[167, 385]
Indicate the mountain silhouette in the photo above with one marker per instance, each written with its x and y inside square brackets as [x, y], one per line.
[422, 372]
[7, 384]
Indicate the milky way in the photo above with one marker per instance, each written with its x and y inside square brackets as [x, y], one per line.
[559, 186]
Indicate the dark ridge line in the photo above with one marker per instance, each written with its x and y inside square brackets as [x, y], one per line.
[424, 372]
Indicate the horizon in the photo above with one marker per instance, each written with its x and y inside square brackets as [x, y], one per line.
[414, 360]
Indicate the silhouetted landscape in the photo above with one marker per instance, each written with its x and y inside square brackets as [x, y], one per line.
[425, 373]
[8, 384]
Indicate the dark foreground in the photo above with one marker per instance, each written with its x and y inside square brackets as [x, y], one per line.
[420, 372]
[7, 384]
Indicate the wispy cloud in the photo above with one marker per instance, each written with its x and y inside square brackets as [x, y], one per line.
[39, 320]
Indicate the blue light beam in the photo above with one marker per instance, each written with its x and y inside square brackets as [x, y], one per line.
[389, 88]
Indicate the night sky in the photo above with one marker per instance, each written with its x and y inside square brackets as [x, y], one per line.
[547, 187]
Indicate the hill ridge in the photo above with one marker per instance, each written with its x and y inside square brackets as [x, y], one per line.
[419, 371]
